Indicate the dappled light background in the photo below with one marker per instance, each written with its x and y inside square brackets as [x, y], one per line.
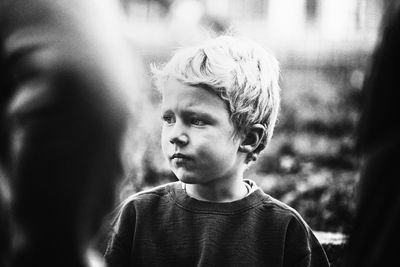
[324, 47]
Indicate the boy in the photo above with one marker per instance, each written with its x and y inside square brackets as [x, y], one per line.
[219, 106]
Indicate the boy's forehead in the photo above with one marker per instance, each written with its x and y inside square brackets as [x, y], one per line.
[176, 93]
[191, 93]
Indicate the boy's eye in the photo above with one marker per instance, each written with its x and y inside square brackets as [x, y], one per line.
[168, 119]
[197, 122]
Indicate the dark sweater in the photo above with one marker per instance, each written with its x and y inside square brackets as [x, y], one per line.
[166, 227]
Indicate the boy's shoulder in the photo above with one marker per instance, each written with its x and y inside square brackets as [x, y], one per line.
[278, 205]
[280, 209]
[150, 194]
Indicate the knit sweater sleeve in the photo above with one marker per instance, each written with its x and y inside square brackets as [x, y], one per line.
[119, 246]
[302, 249]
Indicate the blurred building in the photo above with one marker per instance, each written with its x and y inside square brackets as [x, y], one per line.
[305, 29]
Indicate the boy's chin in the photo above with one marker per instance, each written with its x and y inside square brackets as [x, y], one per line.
[187, 179]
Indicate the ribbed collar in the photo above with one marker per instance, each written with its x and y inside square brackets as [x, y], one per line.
[180, 197]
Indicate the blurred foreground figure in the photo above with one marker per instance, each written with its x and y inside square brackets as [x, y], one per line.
[4, 223]
[66, 68]
[376, 234]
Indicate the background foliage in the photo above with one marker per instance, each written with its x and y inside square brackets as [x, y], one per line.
[324, 49]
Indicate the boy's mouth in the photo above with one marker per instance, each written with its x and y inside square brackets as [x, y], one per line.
[180, 156]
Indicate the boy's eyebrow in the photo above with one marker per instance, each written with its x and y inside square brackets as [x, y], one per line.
[188, 114]
[190, 111]
[195, 112]
[166, 111]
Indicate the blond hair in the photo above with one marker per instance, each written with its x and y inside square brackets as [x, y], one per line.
[243, 73]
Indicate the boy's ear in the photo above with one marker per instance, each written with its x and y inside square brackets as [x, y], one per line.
[253, 138]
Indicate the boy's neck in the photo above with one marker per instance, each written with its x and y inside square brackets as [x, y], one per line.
[218, 191]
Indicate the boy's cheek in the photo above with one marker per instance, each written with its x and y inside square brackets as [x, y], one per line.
[164, 146]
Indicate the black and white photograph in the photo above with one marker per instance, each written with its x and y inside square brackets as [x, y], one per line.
[199, 133]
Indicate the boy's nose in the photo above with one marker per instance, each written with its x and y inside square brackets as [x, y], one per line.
[180, 140]
[178, 135]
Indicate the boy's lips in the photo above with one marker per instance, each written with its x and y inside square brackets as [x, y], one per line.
[180, 156]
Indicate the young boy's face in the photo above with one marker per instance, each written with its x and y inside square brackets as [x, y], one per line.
[197, 135]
